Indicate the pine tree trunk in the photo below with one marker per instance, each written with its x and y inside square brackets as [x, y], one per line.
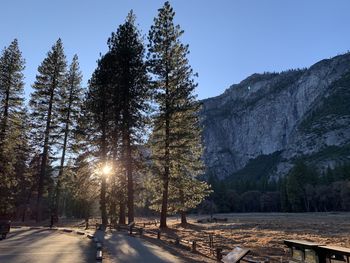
[122, 202]
[60, 174]
[127, 158]
[103, 184]
[103, 203]
[44, 157]
[113, 200]
[113, 212]
[164, 211]
[122, 213]
[183, 218]
[65, 140]
[183, 213]
[5, 117]
[130, 180]
[27, 203]
[104, 159]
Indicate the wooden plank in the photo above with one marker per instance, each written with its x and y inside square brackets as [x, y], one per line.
[203, 245]
[185, 241]
[152, 232]
[302, 243]
[235, 255]
[334, 249]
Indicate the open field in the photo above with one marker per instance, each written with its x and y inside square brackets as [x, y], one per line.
[264, 233]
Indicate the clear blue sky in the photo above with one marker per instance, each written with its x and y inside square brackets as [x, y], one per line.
[229, 39]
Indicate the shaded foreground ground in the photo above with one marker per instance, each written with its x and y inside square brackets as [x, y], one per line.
[25, 245]
[123, 248]
[264, 233]
[42, 245]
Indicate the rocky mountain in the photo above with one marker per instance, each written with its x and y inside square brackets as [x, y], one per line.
[278, 118]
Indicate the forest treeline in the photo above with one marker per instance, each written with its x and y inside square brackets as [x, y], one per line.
[303, 189]
[130, 141]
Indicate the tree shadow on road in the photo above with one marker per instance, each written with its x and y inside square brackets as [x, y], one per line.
[180, 251]
[124, 248]
[44, 245]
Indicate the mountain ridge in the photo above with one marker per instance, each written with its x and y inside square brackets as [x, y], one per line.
[265, 113]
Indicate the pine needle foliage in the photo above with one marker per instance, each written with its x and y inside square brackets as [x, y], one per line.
[176, 137]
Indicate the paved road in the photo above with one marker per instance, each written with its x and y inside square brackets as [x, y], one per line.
[126, 249]
[45, 246]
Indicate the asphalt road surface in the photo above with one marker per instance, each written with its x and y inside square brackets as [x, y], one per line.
[45, 246]
[126, 249]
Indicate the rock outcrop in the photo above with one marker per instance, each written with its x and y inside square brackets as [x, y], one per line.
[302, 113]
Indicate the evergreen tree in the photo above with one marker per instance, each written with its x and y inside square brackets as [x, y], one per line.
[44, 103]
[285, 204]
[81, 188]
[187, 152]
[80, 179]
[12, 119]
[298, 180]
[11, 88]
[98, 103]
[25, 178]
[185, 192]
[175, 139]
[130, 98]
[70, 101]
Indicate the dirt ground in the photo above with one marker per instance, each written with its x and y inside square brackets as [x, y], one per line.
[264, 233]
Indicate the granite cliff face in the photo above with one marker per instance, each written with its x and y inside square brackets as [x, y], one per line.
[297, 113]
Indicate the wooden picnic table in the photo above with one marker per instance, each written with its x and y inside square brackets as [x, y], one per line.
[335, 254]
[311, 252]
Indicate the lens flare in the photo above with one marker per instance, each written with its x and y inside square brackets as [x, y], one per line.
[106, 169]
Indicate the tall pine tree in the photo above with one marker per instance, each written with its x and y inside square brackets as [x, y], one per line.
[71, 97]
[131, 96]
[25, 178]
[175, 141]
[98, 103]
[44, 103]
[12, 119]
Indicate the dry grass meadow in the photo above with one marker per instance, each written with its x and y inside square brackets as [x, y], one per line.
[264, 233]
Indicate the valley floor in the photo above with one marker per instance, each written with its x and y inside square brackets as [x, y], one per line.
[264, 233]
